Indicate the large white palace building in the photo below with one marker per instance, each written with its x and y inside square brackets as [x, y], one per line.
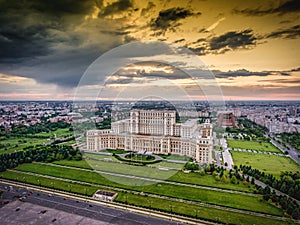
[156, 131]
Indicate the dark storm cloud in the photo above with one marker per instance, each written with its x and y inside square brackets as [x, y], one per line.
[49, 42]
[286, 7]
[116, 7]
[25, 25]
[246, 73]
[295, 70]
[199, 50]
[238, 73]
[168, 19]
[232, 40]
[288, 33]
[179, 40]
[116, 32]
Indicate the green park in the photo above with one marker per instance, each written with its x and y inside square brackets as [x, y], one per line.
[252, 145]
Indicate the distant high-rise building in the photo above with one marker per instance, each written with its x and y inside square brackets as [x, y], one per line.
[227, 119]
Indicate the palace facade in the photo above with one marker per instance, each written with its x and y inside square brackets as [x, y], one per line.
[156, 131]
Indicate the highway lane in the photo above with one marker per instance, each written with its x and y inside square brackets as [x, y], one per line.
[292, 152]
[85, 209]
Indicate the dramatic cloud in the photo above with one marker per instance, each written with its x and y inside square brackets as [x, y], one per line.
[239, 73]
[168, 19]
[289, 33]
[286, 7]
[246, 73]
[116, 7]
[54, 42]
[30, 28]
[232, 40]
[149, 7]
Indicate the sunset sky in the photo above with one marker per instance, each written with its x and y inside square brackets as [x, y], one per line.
[251, 47]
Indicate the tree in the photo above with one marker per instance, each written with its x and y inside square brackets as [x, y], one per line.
[233, 180]
[296, 213]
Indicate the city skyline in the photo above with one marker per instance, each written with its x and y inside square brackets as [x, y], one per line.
[252, 49]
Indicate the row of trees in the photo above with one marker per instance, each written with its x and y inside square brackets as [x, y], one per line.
[289, 182]
[48, 153]
[291, 138]
[233, 176]
[289, 205]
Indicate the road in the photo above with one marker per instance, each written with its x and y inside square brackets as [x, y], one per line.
[77, 207]
[218, 156]
[293, 153]
[227, 158]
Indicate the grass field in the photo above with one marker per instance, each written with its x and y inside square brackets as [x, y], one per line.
[111, 164]
[267, 163]
[209, 180]
[62, 132]
[51, 183]
[112, 158]
[191, 178]
[226, 217]
[100, 157]
[194, 194]
[219, 215]
[253, 145]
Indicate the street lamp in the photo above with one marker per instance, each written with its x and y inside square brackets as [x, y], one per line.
[171, 208]
[196, 211]
[171, 211]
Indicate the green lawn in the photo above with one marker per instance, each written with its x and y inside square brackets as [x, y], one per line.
[202, 212]
[190, 178]
[178, 157]
[209, 180]
[122, 168]
[253, 145]
[112, 158]
[62, 132]
[74, 163]
[51, 183]
[195, 194]
[100, 157]
[145, 201]
[267, 163]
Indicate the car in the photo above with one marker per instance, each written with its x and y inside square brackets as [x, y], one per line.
[65, 198]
